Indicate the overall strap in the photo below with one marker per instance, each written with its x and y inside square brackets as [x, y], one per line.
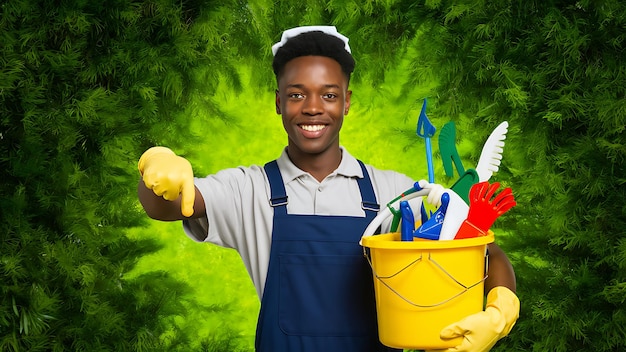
[368, 197]
[278, 199]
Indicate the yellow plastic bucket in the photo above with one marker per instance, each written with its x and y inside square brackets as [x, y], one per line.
[423, 286]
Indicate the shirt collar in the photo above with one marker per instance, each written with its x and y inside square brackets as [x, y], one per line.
[349, 167]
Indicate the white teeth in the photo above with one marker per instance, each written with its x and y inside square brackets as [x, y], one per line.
[312, 128]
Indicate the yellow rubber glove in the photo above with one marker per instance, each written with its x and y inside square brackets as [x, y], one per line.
[482, 330]
[168, 175]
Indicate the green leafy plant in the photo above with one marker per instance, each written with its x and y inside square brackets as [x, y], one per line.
[85, 87]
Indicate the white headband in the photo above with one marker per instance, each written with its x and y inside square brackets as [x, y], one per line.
[290, 33]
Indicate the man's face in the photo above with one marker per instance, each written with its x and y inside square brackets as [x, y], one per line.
[312, 97]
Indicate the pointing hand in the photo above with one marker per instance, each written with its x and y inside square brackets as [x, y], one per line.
[168, 175]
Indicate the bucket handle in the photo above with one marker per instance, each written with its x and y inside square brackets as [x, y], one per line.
[463, 286]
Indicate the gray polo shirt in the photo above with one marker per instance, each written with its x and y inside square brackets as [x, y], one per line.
[239, 215]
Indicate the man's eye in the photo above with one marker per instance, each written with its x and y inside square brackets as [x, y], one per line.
[330, 95]
[296, 96]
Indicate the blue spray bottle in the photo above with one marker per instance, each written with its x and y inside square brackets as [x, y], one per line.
[431, 229]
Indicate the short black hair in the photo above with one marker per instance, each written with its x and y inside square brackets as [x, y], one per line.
[314, 43]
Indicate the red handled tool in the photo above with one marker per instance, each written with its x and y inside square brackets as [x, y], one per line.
[485, 208]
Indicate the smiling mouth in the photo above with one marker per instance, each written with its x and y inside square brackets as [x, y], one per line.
[312, 128]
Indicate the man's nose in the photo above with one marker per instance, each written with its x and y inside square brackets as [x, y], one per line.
[313, 105]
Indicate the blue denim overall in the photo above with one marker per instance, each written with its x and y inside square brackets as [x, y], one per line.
[319, 294]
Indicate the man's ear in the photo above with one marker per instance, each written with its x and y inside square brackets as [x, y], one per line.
[347, 102]
[277, 102]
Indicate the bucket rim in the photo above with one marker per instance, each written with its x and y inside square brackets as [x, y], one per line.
[392, 241]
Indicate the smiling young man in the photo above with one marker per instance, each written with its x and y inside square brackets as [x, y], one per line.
[313, 97]
[296, 222]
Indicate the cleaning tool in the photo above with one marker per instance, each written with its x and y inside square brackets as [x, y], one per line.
[450, 155]
[485, 208]
[431, 229]
[455, 215]
[433, 193]
[426, 130]
[463, 185]
[395, 222]
[447, 148]
[491, 155]
[408, 221]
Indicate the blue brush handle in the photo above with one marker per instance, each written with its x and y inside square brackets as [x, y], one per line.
[429, 159]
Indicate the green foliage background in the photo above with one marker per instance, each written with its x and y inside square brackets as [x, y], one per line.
[86, 87]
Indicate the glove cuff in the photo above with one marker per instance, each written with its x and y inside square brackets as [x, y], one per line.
[507, 303]
[151, 152]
